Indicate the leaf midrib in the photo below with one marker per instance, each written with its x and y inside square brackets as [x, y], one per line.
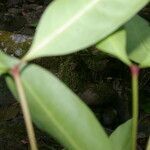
[60, 30]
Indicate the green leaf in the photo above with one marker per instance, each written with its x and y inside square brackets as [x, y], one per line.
[59, 112]
[115, 45]
[68, 26]
[6, 62]
[148, 144]
[138, 41]
[121, 137]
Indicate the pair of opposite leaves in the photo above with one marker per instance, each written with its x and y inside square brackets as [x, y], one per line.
[72, 27]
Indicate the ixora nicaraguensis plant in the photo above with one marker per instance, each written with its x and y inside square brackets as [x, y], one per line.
[68, 26]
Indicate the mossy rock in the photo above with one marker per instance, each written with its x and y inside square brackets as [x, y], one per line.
[14, 44]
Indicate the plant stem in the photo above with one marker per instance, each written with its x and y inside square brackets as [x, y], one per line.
[26, 113]
[135, 97]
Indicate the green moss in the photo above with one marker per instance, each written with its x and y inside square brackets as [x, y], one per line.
[14, 44]
[51, 63]
[69, 74]
[94, 59]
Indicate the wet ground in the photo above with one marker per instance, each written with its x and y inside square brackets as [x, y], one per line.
[102, 82]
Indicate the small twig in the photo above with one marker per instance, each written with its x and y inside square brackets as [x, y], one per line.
[26, 113]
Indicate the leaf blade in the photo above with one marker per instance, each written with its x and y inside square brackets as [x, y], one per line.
[58, 111]
[6, 62]
[121, 137]
[148, 144]
[138, 40]
[115, 45]
[70, 32]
